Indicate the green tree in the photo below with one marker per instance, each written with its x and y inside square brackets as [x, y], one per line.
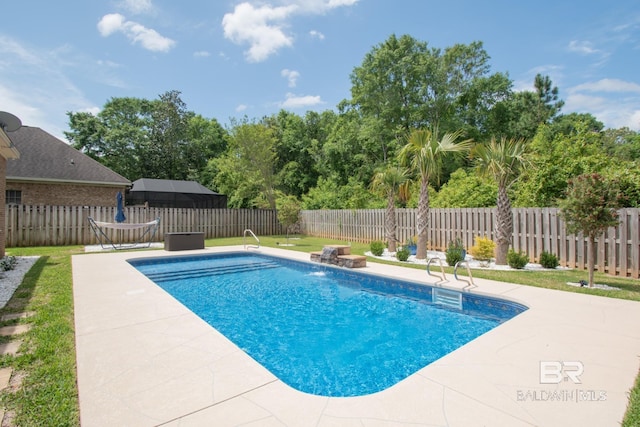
[245, 173]
[388, 182]
[627, 177]
[344, 156]
[521, 113]
[207, 140]
[590, 207]
[325, 195]
[386, 86]
[622, 143]
[424, 154]
[465, 190]
[556, 157]
[328, 194]
[549, 104]
[297, 141]
[138, 138]
[116, 136]
[402, 84]
[288, 212]
[502, 161]
[165, 149]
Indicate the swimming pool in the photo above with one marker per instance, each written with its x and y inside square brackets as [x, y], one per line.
[325, 330]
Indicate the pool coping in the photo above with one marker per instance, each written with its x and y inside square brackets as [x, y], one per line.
[145, 359]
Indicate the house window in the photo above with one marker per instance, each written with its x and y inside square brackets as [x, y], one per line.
[14, 197]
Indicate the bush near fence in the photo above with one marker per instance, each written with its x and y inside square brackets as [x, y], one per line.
[534, 230]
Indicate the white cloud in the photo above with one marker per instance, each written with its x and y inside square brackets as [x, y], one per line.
[110, 23]
[608, 85]
[634, 120]
[137, 6]
[263, 27]
[294, 101]
[135, 32]
[321, 6]
[316, 34]
[201, 54]
[584, 47]
[614, 102]
[291, 75]
[240, 108]
[35, 84]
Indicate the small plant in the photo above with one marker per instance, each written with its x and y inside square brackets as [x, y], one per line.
[8, 263]
[402, 254]
[377, 247]
[455, 252]
[517, 259]
[483, 249]
[548, 260]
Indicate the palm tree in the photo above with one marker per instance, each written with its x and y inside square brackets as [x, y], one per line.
[424, 153]
[388, 182]
[502, 161]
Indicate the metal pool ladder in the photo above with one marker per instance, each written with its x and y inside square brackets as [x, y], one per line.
[455, 274]
[244, 238]
[444, 277]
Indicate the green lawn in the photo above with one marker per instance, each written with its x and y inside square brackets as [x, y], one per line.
[47, 395]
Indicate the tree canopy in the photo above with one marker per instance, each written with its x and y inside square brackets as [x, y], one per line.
[140, 138]
[328, 159]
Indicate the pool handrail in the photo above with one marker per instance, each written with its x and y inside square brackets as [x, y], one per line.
[244, 237]
[444, 276]
[455, 274]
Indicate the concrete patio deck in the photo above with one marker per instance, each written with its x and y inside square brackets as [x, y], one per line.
[143, 359]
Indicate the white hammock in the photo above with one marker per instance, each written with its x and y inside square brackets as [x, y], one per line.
[124, 226]
[144, 239]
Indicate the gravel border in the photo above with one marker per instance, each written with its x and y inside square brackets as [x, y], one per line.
[391, 256]
[11, 279]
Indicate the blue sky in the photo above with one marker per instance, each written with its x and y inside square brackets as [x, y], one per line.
[234, 58]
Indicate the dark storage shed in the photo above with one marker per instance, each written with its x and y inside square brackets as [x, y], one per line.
[166, 193]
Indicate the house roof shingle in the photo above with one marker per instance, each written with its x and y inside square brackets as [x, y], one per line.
[44, 157]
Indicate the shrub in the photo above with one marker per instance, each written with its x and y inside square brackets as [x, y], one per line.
[377, 247]
[455, 252]
[548, 260]
[402, 254]
[8, 263]
[483, 249]
[517, 259]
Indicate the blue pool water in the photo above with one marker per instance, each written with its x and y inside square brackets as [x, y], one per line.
[325, 330]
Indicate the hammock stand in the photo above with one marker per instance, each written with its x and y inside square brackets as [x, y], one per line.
[144, 241]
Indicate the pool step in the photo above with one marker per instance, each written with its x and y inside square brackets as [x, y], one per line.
[211, 271]
[447, 298]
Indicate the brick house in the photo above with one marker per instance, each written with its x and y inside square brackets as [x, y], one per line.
[7, 151]
[51, 172]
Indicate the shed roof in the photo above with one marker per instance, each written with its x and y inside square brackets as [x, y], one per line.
[170, 186]
[44, 157]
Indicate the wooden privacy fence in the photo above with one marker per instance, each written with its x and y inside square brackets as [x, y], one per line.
[534, 230]
[68, 225]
